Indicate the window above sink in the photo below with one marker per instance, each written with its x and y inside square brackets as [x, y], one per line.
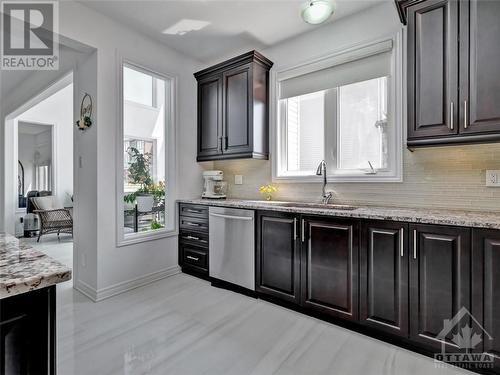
[345, 108]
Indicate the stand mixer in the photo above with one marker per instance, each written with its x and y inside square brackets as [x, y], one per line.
[214, 186]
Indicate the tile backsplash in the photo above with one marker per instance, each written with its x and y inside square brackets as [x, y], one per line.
[442, 177]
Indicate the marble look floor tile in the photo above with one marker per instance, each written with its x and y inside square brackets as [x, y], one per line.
[183, 326]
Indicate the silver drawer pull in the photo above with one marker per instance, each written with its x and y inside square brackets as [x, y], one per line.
[295, 228]
[191, 210]
[192, 258]
[192, 224]
[303, 230]
[192, 238]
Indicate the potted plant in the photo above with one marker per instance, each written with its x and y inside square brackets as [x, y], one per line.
[139, 173]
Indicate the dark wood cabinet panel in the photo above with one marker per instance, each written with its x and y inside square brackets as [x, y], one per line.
[330, 267]
[480, 75]
[439, 281]
[209, 116]
[486, 289]
[432, 69]
[233, 101]
[237, 109]
[278, 256]
[28, 333]
[383, 289]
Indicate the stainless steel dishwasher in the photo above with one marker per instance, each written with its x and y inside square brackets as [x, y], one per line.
[231, 246]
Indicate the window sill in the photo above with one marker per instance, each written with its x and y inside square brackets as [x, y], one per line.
[338, 179]
[136, 238]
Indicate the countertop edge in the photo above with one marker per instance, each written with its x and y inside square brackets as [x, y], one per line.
[474, 219]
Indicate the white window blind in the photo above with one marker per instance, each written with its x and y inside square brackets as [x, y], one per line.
[355, 65]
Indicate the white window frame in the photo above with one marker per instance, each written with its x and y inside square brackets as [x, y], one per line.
[170, 228]
[395, 109]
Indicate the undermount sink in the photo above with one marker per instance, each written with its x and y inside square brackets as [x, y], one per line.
[315, 205]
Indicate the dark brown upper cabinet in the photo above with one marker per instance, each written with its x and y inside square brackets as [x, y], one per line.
[383, 276]
[233, 103]
[486, 290]
[329, 281]
[453, 71]
[278, 255]
[439, 281]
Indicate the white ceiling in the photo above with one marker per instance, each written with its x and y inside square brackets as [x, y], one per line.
[32, 129]
[234, 24]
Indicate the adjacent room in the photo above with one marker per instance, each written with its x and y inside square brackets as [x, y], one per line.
[247, 187]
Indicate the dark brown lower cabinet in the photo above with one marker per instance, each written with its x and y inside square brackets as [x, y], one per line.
[486, 290]
[278, 256]
[28, 333]
[439, 282]
[383, 276]
[330, 267]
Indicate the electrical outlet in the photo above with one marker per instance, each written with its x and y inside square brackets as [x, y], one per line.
[238, 179]
[493, 178]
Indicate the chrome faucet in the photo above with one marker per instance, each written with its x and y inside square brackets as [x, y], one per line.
[322, 171]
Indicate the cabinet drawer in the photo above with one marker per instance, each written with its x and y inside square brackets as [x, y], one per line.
[193, 224]
[193, 256]
[197, 239]
[192, 210]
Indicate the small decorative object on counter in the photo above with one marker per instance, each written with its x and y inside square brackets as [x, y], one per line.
[267, 191]
[85, 120]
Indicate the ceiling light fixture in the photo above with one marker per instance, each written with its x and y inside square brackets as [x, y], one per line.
[317, 11]
[184, 26]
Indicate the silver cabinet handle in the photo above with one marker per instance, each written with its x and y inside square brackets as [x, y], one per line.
[402, 242]
[232, 217]
[192, 258]
[414, 244]
[191, 210]
[192, 224]
[194, 238]
[465, 115]
[452, 115]
[295, 228]
[303, 232]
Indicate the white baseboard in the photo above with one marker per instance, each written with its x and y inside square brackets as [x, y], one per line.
[125, 286]
[85, 289]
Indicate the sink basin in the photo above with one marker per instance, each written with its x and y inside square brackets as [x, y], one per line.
[317, 205]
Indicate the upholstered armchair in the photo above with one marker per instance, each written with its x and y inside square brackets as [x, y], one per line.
[53, 217]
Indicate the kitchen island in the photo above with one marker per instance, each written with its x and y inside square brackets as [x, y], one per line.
[28, 281]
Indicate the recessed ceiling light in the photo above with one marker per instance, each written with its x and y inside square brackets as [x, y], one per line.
[317, 11]
[184, 26]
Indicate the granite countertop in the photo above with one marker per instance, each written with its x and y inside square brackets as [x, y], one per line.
[23, 269]
[475, 219]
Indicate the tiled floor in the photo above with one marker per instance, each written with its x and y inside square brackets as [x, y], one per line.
[181, 325]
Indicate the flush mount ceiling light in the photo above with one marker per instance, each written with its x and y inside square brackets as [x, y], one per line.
[317, 11]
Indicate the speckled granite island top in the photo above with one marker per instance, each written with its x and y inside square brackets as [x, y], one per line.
[475, 219]
[23, 269]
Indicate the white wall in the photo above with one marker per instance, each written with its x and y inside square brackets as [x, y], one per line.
[120, 267]
[57, 110]
[25, 155]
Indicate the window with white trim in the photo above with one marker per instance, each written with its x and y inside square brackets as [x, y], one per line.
[146, 201]
[343, 109]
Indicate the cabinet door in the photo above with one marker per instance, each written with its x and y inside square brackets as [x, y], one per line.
[237, 89]
[439, 282]
[383, 301]
[486, 289]
[209, 117]
[330, 267]
[480, 68]
[432, 69]
[278, 257]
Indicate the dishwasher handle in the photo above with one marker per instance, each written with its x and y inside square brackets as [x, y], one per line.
[248, 218]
